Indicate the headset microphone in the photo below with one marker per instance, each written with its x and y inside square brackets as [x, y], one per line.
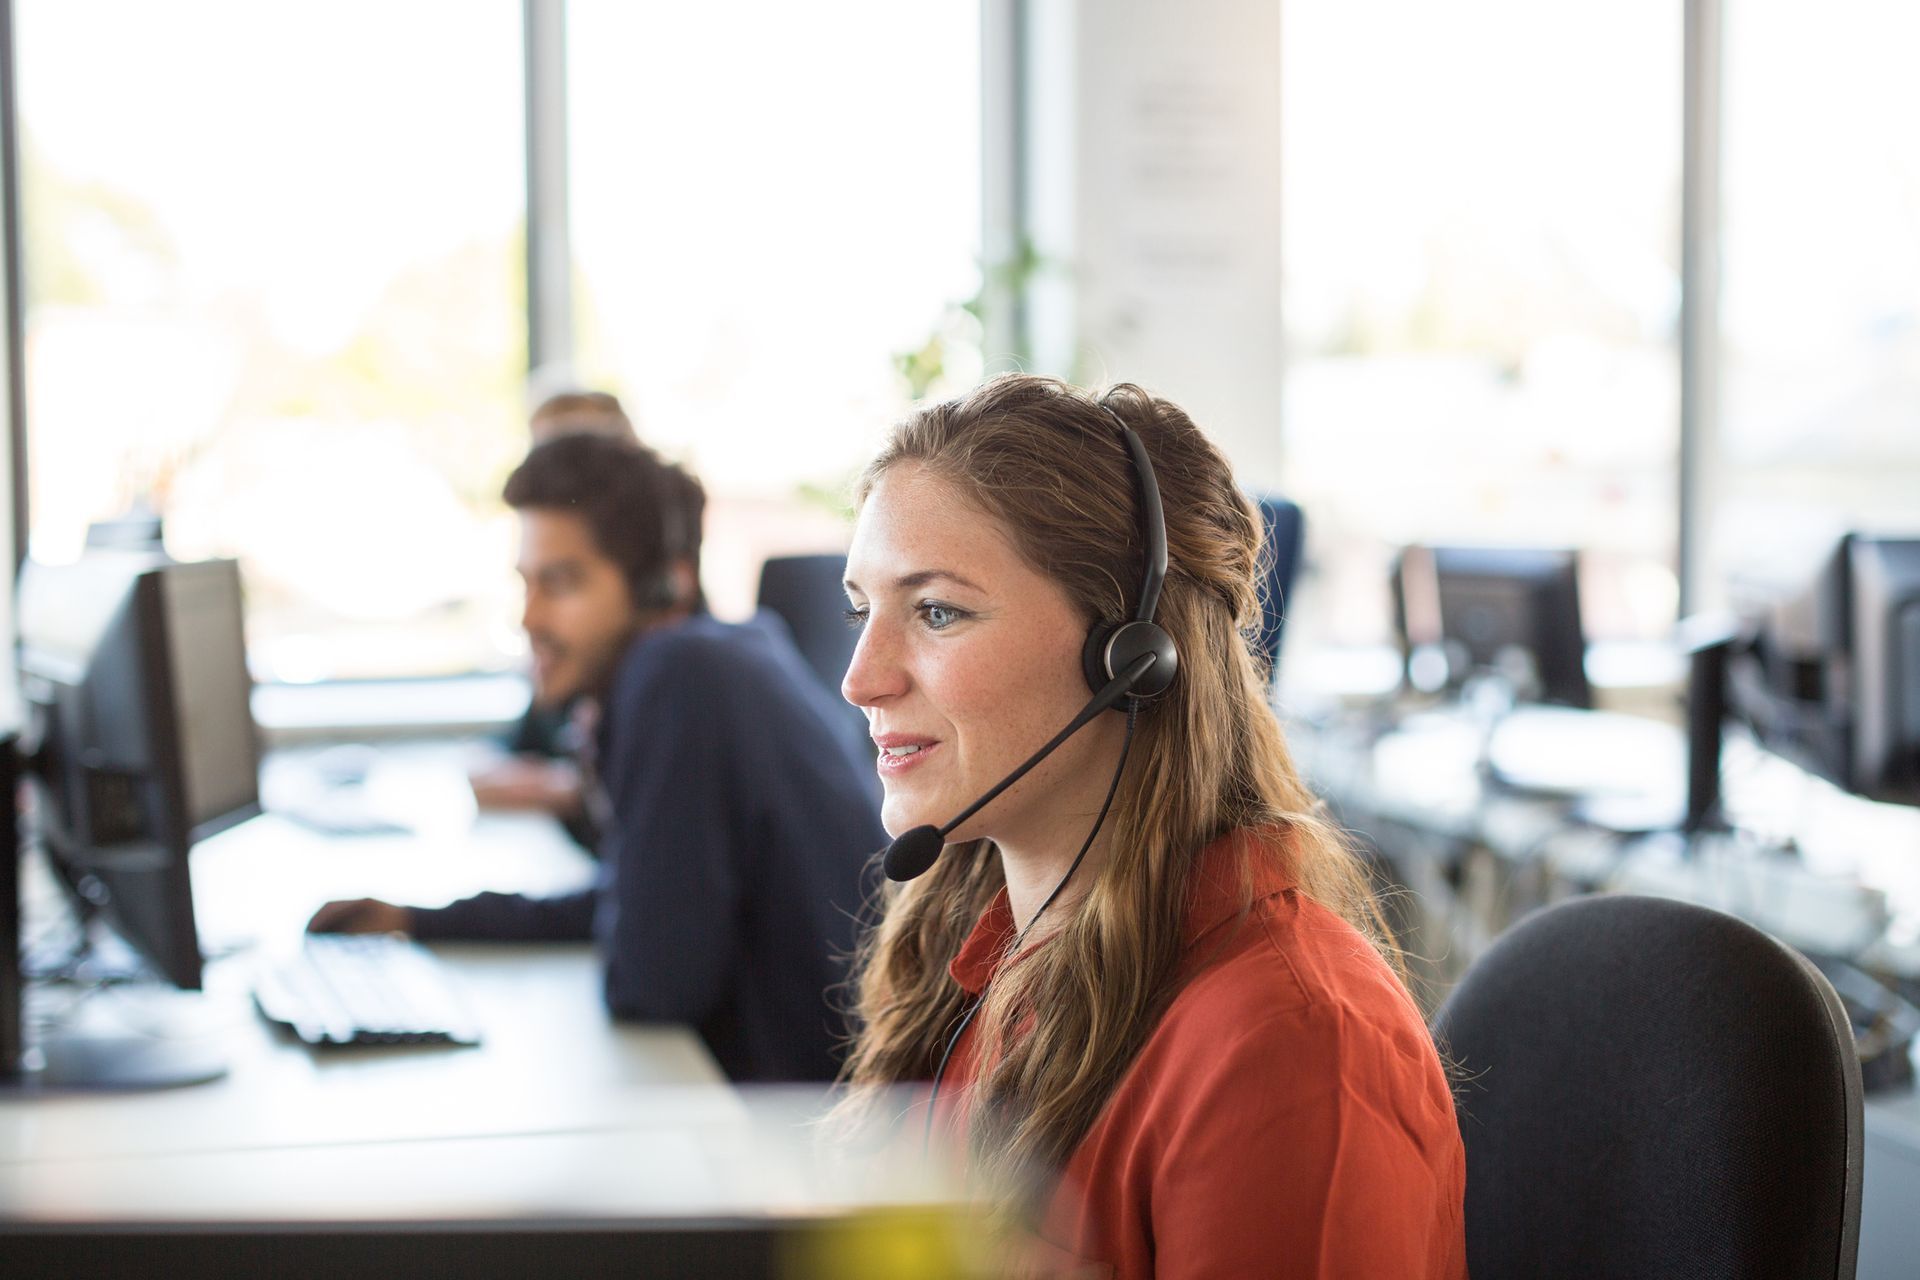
[915, 851]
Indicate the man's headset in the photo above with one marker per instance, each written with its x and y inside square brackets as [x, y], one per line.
[1134, 658]
[679, 517]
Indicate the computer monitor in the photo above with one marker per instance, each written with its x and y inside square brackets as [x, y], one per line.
[140, 738]
[1885, 581]
[1508, 611]
[134, 531]
[1827, 672]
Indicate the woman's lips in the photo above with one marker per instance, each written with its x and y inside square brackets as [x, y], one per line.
[899, 754]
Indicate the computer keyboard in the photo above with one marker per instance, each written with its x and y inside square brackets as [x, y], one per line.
[364, 988]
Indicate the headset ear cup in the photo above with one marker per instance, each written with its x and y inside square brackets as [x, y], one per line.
[1093, 656]
[1134, 640]
[1112, 648]
[660, 591]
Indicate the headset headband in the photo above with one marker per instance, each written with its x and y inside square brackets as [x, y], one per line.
[1153, 520]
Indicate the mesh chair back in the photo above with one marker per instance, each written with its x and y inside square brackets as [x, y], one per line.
[1650, 1088]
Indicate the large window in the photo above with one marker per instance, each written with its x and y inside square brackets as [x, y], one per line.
[274, 261]
[1820, 305]
[1481, 293]
[771, 204]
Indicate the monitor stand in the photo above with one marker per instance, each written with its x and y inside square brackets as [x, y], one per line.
[124, 1037]
[75, 1057]
[114, 1063]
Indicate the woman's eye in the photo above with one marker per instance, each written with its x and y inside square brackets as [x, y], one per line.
[856, 618]
[939, 616]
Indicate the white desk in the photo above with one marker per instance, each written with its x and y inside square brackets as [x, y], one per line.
[556, 1099]
[566, 1144]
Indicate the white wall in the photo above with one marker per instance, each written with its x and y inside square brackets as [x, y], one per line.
[1150, 170]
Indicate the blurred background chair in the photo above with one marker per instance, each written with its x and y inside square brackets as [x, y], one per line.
[1652, 1088]
[1283, 534]
[806, 592]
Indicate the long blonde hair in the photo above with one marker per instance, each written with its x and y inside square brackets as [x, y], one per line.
[1061, 1024]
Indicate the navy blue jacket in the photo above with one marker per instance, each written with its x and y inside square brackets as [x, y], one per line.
[744, 810]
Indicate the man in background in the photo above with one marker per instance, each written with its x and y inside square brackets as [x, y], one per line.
[739, 807]
[541, 770]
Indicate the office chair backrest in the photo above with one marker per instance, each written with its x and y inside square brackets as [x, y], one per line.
[1283, 534]
[1650, 1088]
[806, 592]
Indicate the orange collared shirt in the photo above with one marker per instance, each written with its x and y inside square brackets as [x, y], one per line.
[1287, 1117]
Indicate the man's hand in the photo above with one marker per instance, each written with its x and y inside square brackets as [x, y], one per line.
[361, 915]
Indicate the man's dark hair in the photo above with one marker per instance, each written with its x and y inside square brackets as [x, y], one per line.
[644, 512]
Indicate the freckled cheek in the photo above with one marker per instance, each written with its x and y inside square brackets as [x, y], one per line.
[960, 686]
[1003, 700]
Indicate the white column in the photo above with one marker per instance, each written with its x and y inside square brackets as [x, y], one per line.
[549, 238]
[1699, 303]
[1151, 172]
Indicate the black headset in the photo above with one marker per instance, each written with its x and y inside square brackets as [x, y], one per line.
[679, 532]
[1112, 648]
[1135, 658]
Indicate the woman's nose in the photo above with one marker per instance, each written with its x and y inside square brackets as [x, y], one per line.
[876, 672]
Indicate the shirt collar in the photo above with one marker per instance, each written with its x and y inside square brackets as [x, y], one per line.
[1235, 872]
[980, 955]
[1227, 878]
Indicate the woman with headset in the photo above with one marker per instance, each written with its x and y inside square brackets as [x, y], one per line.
[1147, 979]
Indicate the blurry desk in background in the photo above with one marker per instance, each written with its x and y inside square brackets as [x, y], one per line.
[1479, 853]
[1552, 803]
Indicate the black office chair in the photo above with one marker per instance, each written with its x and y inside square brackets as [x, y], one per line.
[1650, 1088]
[806, 592]
[1283, 533]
